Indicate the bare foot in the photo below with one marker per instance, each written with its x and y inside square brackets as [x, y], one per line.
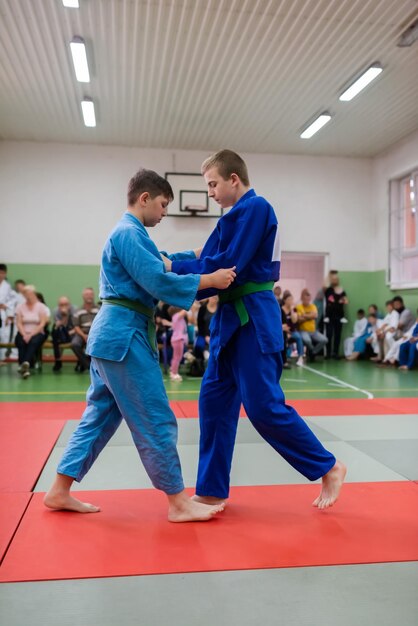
[403, 367]
[331, 486]
[191, 511]
[65, 502]
[211, 500]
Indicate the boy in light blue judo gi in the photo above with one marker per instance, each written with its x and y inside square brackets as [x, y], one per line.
[126, 380]
[246, 341]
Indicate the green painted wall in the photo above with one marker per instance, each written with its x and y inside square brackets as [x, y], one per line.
[54, 281]
[363, 288]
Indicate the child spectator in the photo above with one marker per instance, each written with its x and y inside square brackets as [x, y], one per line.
[7, 308]
[178, 340]
[359, 330]
[192, 321]
[386, 333]
[392, 356]
[408, 351]
[307, 314]
[368, 339]
[31, 318]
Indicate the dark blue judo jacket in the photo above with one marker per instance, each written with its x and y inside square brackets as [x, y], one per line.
[247, 237]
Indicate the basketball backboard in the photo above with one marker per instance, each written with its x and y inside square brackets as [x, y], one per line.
[191, 196]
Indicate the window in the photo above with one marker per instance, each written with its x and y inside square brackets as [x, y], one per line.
[403, 247]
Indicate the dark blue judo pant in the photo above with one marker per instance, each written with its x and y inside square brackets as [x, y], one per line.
[242, 373]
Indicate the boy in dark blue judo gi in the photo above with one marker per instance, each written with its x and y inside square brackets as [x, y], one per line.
[246, 341]
[126, 380]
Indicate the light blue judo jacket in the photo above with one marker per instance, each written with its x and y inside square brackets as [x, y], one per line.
[132, 269]
[247, 237]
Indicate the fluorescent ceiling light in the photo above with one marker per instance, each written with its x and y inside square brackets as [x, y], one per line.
[87, 106]
[81, 68]
[71, 4]
[409, 37]
[316, 125]
[370, 74]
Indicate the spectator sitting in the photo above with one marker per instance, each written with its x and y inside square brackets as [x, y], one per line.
[63, 329]
[290, 332]
[369, 338]
[19, 286]
[336, 298]
[278, 294]
[41, 298]
[307, 314]
[373, 310]
[392, 356]
[31, 319]
[359, 330]
[408, 352]
[83, 320]
[406, 317]
[386, 333]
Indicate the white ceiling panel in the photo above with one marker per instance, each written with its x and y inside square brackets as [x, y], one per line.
[204, 74]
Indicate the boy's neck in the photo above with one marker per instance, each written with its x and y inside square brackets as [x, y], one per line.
[136, 212]
[241, 191]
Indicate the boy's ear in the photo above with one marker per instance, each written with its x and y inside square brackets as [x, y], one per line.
[235, 179]
[144, 197]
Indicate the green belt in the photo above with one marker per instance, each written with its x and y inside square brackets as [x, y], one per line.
[236, 295]
[139, 308]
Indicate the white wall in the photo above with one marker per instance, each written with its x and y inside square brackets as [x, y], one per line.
[396, 162]
[63, 199]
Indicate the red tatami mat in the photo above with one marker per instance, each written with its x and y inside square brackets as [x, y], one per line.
[263, 527]
[41, 410]
[52, 410]
[12, 507]
[356, 406]
[400, 405]
[24, 449]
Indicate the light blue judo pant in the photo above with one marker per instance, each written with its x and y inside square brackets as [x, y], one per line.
[242, 373]
[131, 389]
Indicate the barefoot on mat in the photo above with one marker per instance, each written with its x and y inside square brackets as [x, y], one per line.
[65, 502]
[191, 511]
[331, 486]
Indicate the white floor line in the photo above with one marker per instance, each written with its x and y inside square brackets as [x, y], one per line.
[295, 380]
[369, 395]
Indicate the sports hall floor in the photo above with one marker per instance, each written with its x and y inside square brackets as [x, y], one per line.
[271, 558]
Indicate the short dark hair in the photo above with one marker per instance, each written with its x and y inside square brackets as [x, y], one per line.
[227, 162]
[372, 315]
[388, 302]
[3, 267]
[151, 182]
[333, 272]
[20, 281]
[398, 299]
[374, 306]
[360, 312]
